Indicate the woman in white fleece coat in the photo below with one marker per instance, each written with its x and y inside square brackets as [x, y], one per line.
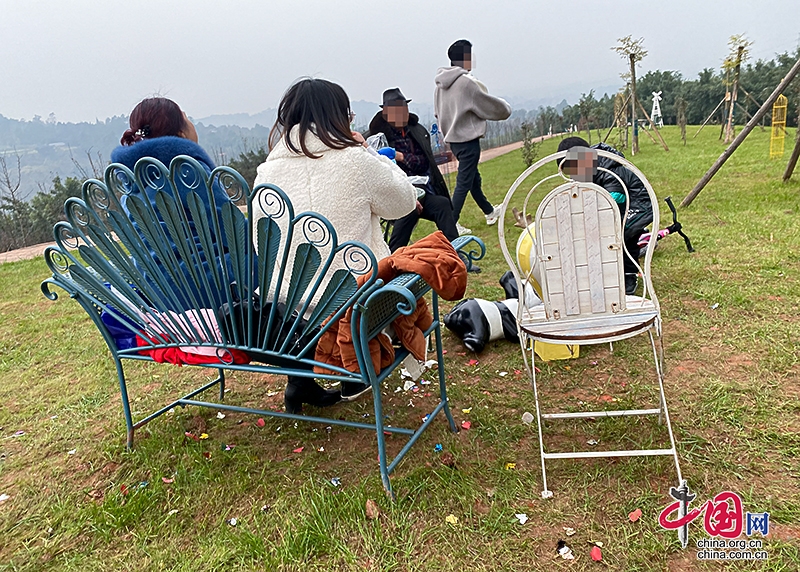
[324, 167]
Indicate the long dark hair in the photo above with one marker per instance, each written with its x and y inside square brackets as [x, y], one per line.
[154, 117]
[316, 105]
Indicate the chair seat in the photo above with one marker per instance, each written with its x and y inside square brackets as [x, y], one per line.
[639, 315]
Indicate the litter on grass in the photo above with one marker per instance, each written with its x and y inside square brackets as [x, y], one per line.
[473, 362]
[298, 450]
[4, 497]
[372, 510]
[232, 522]
[503, 373]
[596, 553]
[260, 422]
[509, 466]
[336, 482]
[438, 447]
[592, 442]
[635, 515]
[467, 411]
[424, 382]
[564, 551]
[527, 418]
[569, 531]
[715, 305]
[466, 425]
[173, 511]
[72, 451]
[451, 518]
[167, 481]
[203, 436]
[408, 384]
[220, 415]
[321, 449]
[522, 517]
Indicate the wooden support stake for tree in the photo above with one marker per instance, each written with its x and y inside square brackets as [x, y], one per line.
[635, 141]
[741, 137]
[747, 113]
[793, 159]
[663, 143]
[709, 117]
[616, 123]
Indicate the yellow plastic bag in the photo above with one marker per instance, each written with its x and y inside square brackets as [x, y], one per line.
[550, 352]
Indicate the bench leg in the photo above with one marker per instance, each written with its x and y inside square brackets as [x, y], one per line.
[382, 462]
[126, 406]
[440, 360]
[221, 380]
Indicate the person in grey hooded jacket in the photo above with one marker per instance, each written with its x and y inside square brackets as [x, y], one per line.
[463, 105]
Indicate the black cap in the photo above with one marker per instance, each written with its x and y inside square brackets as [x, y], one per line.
[392, 95]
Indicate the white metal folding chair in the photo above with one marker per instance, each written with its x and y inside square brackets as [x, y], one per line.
[578, 266]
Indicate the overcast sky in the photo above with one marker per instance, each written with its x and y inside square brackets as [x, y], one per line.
[85, 59]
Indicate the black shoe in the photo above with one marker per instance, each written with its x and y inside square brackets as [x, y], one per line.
[474, 268]
[631, 282]
[352, 390]
[301, 390]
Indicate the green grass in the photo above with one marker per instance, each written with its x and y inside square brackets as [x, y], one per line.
[732, 385]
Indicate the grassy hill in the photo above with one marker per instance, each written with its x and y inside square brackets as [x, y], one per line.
[731, 348]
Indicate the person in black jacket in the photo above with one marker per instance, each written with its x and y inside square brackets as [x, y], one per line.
[413, 154]
[640, 210]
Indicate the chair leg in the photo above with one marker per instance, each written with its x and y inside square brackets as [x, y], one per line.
[664, 411]
[546, 493]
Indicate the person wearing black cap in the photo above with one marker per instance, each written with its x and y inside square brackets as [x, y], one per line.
[412, 144]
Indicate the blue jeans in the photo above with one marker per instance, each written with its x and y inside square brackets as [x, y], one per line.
[468, 179]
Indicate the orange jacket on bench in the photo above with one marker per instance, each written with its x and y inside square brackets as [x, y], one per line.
[437, 262]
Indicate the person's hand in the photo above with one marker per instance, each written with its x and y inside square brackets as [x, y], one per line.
[399, 157]
[359, 137]
[419, 207]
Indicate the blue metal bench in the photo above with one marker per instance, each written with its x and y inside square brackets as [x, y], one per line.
[175, 298]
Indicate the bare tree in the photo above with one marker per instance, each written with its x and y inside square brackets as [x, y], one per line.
[16, 210]
[632, 51]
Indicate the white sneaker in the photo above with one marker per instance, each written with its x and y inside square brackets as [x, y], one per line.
[462, 230]
[492, 217]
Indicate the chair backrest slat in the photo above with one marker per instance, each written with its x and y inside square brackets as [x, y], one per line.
[569, 278]
[580, 247]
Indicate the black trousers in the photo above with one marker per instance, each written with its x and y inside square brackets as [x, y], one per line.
[468, 179]
[434, 208]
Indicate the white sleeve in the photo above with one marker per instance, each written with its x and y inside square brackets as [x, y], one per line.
[391, 195]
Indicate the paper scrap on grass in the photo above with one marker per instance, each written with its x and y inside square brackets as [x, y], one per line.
[564, 551]
[527, 418]
[509, 466]
[569, 531]
[372, 510]
[233, 522]
[451, 518]
[220, 415]
[167, 481]
[4, 497]
[522, 517]
[298, 450]
[438, 447]
[635, 515]
[467, 411]
[173, 511]
[203, 436]
[260, 422]
[466, 425]
[336, 482]
[596, 554]
[473, 362]
[408, 384]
